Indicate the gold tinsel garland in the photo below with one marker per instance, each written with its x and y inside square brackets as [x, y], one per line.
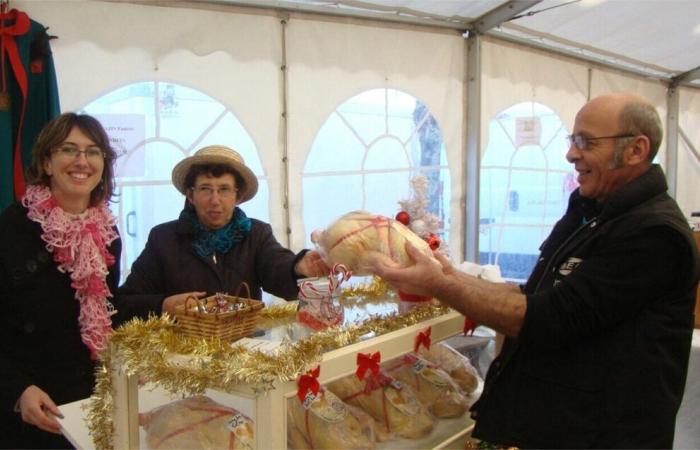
[146, 348]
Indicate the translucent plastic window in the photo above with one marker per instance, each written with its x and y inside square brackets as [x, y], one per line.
[525, 183]
[366, 152]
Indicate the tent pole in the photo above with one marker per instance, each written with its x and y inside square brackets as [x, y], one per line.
[672, 103]
[473, 149]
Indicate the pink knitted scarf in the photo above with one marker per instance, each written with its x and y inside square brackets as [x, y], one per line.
[79, 247]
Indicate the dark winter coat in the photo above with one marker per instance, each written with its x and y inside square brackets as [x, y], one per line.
[169, 265]
[602, 356]
[40, 341]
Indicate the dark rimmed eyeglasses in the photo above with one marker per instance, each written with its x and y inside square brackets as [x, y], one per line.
[581, 142]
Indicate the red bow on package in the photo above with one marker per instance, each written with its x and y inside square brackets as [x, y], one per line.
[366, 362]
[423, 338]
[308, 382]
[469, 326]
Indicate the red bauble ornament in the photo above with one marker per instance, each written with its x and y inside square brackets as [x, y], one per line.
[403, 217]
[433, 242]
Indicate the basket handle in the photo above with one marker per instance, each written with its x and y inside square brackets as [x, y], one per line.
[238, 290]
[196, 303]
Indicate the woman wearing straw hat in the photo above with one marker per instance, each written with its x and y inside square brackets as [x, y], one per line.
[212, 246]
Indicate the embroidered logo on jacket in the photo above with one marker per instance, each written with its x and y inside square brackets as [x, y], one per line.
[569, 265]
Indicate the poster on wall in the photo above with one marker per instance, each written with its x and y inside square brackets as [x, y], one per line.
[127, 133]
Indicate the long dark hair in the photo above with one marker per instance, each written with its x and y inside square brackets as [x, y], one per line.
[54, 133]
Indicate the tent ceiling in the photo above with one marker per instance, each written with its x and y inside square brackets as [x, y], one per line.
[659, 38]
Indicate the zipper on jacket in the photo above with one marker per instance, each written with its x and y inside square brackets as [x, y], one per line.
[590, 224]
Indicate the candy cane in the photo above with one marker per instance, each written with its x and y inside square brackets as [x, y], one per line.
[334, 282]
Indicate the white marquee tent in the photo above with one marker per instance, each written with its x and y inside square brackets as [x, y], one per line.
[284, 73]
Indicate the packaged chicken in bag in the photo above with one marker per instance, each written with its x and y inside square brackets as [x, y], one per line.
[323, 421]
[455, 364]
[394, 406]
[433, 386]
[354, 235]
[197, 422]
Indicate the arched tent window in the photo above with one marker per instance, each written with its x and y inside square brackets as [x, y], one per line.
[525, 182]
[365, 154]
[153, 125]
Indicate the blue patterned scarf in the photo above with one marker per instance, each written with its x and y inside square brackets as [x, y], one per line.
[206, 242]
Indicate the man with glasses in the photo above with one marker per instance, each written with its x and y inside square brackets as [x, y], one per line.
[598, 339]
[212, 247]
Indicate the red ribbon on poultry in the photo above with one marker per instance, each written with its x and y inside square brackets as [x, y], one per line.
[423, 338]
[9, 46]
[309, 382]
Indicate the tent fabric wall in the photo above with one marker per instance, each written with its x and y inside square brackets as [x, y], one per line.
[513, 74]
[330, 62]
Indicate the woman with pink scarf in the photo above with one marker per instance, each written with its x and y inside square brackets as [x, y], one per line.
[59, 265]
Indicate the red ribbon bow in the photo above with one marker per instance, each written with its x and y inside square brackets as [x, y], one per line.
[8, 45]
[469, 326]
[423, 338]
[366, 362]
[309, 382]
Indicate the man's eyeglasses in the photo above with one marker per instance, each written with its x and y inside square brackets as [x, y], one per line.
[73, 152]
[207, 192]
[581, 142]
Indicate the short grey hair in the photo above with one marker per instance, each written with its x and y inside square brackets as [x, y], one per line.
[641, 118]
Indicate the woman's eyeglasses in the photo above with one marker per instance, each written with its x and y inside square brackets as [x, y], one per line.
[73, 152]
[207, 192]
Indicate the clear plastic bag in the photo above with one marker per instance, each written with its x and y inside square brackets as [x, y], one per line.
[197, 422]
[327, 423]
[354, 235]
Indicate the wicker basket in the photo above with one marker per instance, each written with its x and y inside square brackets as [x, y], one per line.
[192, 321]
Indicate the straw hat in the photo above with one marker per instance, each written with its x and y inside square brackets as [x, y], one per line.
[218, 154]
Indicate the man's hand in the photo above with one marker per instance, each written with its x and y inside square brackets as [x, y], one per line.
[312, 265]
[419, 279]
[173, 301]
[38, 409]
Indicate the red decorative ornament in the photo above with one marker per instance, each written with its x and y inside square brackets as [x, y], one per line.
[403, 217]
[469, 326]
[423, 338]
[433, 242]
[309, 382]
[368, 361]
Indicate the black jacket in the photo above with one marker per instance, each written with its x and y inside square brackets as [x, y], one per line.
[40, 339]
[169, 265]
[602, 356]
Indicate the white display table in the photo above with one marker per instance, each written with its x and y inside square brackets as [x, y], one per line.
[268, 409]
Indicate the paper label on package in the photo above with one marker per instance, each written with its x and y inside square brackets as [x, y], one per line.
[309, 399]
[329, 408]
[406, 404]
[242, 430]
[429, 373]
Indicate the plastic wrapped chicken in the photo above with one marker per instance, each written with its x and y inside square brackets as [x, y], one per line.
[455, 364]
[433, 386]
[197, 422]
[394, 406]
[328, 423]
[347, 240]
